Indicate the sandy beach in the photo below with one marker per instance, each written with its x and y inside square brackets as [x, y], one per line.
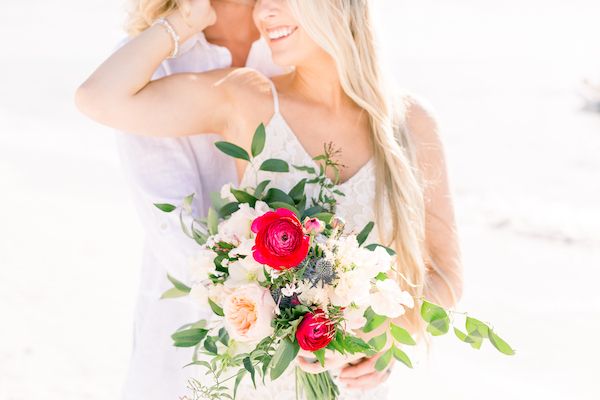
[523, 156]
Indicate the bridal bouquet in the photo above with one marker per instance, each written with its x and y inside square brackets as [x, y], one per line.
[281, 274]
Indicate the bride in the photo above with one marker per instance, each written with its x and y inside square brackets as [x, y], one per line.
[394, 164]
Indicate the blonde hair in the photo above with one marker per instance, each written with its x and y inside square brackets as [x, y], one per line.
[142, 13]
[344, 29]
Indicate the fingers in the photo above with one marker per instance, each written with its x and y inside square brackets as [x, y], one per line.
[367, 381]
[364, 366]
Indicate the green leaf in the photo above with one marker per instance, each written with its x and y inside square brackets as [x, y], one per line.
[382, 276]
[215, 307]
[463, 336]
[297, 192]
[210, 345]
[324, 216]
[401, 335]
[243, 197]
[188, 337]
[378, 342]
[475, 325]
[312, 211]
[179, 285]
[274, 165]
[279, 204]
[233, 150]
[402, 357]
[258, 140]
[165, 207]
[373, 246]
[260, 188]
[212, 221]
[500, 344]
[277, 195]
[362, 236]
[173, 293]
[353, 344]
[228, 209]
[320, 354]
[373, 320]
[250, 368]
[304, 168]
[439, 327]
[283, 357]
[223, 336]
[431, 312]
[384, 360]
[238, 380]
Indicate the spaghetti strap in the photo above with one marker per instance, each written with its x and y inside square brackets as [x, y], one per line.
[275, 98]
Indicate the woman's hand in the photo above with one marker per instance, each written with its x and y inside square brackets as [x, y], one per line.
[192, 17]
[363, 375]
[333, 360]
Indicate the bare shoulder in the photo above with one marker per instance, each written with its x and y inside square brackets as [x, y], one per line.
[420, 121]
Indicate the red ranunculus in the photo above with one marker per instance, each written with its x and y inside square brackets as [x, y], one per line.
[280, 241]
[315, 331]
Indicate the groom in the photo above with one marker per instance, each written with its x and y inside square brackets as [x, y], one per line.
[166, 170]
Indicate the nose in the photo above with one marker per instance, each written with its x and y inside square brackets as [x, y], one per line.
[266, 10]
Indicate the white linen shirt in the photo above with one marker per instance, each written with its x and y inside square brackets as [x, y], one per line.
[165, 170]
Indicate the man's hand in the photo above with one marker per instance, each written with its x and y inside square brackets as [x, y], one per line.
[363, 375]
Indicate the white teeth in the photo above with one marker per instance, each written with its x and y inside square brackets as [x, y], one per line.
[280, 33]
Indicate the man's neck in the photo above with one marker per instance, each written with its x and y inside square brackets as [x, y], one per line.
[234, 29]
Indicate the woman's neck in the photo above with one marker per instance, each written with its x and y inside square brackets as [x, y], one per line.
[234, 29]
[319, 82]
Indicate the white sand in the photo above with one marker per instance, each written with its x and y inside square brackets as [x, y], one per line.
[523, 157]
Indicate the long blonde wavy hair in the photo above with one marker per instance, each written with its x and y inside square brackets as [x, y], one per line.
[344, 29]
[142, 13]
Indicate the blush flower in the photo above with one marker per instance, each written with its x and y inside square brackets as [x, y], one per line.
[249, 311]
[280, 240]
[315, 331]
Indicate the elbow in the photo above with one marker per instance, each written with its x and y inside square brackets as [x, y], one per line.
[85, 97]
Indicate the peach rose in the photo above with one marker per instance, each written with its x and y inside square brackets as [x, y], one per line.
[249, 311]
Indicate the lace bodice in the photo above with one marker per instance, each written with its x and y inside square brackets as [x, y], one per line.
[356, 207]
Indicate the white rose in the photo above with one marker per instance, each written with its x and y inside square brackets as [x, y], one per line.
[249, 311]
[388, 300]
[218, 293]
[201, 264]
[244, 271]
[237, 227]
[242, 249]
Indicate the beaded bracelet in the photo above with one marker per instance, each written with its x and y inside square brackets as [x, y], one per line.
[174, 36]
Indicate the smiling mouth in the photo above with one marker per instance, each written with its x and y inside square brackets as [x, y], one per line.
[280, 32]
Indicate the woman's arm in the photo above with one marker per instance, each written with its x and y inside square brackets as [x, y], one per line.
[444, 275]
[120, 92]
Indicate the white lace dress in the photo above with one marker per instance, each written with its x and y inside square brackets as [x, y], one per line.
[356, 208]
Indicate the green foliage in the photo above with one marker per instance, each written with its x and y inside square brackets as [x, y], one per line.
[283, 357]
[233, 150]
[274, 165]
[258, 140]
[500, 344]
[401, 335]
[378, 342]
[437, 317]
[402, 357]
[320, 354]
[212, 221]
[173, 293]
[383, 361]
[373, 246]
[215, 307]
[179, 285]
[373, 320]
[165, 207]
[250, 368]
[188, 337]
[243, 197]
[362, 236]
[260, 188]
[228, 209]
